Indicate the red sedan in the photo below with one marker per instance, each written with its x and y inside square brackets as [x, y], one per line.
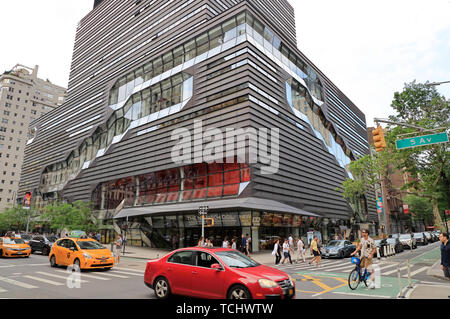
[216, 274]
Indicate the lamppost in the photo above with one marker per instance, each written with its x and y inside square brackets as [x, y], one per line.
[437, 83]
[203, 211]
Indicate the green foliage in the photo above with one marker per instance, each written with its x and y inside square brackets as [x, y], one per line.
[15, 218]
[75, 216]
[420, 208]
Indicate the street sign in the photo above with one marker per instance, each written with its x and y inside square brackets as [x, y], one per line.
[422, 141]
[406, 209]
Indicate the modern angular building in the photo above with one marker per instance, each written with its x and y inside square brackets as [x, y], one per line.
[153, 80]
[24, 97]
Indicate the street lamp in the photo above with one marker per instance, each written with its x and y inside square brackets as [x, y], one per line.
[203, 211]
[437, 83]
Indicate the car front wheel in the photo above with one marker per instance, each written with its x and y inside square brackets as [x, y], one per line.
[162, 288]
[239, 292]
[53, 261]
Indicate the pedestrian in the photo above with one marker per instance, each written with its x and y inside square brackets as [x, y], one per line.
[300, 250]
[277, 252]
[209, 243]
[286, 252]
[233, 245]
[98, 237]
[368, 249]
[244, 244]
[315, 251]
[201, 242]
[225, 243]
[248, 244]
[118, 244]
[445, 255]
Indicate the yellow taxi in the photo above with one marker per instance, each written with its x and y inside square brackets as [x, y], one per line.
[84, 253]
[14, 247]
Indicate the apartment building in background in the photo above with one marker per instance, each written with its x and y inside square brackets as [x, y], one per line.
[142, 70]
[24, 97]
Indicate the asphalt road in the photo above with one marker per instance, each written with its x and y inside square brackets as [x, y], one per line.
[33, 278]
[330, 281]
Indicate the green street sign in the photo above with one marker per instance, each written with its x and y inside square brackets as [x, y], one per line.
[422, 141]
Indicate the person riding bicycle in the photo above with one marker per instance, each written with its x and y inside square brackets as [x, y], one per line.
[368, 250]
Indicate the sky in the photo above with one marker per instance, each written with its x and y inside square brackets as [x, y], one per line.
[369, 49]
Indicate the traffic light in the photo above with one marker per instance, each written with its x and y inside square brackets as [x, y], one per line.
[378, 139]
[208, 222]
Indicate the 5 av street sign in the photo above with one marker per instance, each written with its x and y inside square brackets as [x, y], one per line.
[422, 141]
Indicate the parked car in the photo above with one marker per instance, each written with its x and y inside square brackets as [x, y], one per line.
[436, 234]
[380, 243]
[42, 244]
[26, 238]
[394, 236]
[396, 243]
[407, 240]
[338, 248]
[216, 273]
[429, 237]
[420, 239]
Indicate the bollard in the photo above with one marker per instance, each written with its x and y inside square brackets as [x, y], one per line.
[409, 275]
[385, 251]
[377, 273]
[400, 283]
[378, 253]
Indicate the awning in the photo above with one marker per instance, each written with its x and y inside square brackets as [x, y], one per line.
[249, 203]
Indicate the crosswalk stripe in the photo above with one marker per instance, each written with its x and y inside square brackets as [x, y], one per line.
[417, 271]
[2, 290]
[126, 273]
[386, 267]
[57, 276]
[395, 270]
[17, 283]
[130, 269]
[86, 275]
[112, 275]
[339, 268]
[50, 282]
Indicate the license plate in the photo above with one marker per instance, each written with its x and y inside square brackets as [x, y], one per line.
[19, 253]
[327, 255]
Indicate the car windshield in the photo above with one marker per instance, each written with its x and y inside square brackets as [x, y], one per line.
[52, 239]
[235, 259]
[405, 236]
[27, 237]
[391, 240]
[9, 241]
[335, 243]
[90, 245]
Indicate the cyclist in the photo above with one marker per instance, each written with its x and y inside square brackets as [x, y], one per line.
[368, 249]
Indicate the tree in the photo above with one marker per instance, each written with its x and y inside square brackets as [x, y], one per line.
[420, 208]
[75, 216]
[421, 105]
[15, 218]
[429, 166]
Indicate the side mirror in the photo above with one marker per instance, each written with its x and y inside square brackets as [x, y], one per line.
[216, 267]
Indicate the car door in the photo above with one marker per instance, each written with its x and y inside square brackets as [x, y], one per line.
[179, 270]
[64, 252]
[58, 250]
[71, 252]
[203, 276]
[36, 243]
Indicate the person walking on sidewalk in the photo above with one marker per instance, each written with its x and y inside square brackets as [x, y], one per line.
[300, 250]
[368, 250]
[286, 251]
[277, 252]
[244, 244]
[445, 255]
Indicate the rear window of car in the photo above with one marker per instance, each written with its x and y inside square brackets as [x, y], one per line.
[182, 257]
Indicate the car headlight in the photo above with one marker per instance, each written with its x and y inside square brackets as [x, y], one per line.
[266, 283]
[87, 256]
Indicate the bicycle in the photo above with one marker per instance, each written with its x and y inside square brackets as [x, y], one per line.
[355, 277]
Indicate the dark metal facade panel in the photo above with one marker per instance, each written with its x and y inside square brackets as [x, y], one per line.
[308, 174]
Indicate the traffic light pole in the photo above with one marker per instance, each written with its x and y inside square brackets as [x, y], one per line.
[422, 129]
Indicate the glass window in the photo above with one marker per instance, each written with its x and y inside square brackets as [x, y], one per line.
[182, 257]
[205, 260]
[202, 44]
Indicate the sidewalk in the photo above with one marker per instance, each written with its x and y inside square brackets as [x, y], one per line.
[264, 257]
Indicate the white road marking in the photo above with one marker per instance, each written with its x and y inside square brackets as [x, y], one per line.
[417, 271]
[112, 275]
[85, 275]
[362, 295]
[2, 290]
[339, 268]
[17, 283]
[57, 276]
[50, 282]
[129, 269]
[395, 270]
[127, 273]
